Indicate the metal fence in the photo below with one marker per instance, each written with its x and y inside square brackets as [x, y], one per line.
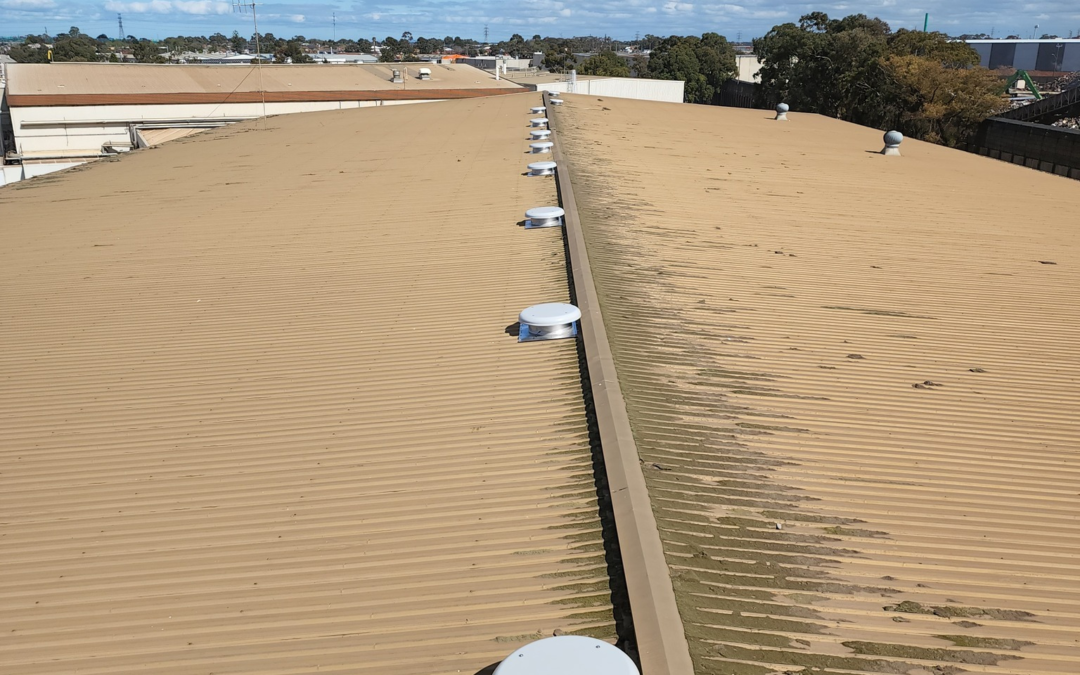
[1038, 146]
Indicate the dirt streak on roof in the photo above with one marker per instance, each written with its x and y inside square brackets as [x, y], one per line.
[262, 413]
[29, 82]
[854, 383]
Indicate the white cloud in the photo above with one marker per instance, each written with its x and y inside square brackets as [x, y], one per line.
[296, 18]
[201, 7]
[194, 7]
[676, 7]
[27, 4]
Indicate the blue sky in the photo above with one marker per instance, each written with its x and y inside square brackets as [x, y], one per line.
[620, 19]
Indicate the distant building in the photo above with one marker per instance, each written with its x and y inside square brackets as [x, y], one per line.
[640, 88]
[60, 115]
[1055, 56]
[489, 62]
[747, 67]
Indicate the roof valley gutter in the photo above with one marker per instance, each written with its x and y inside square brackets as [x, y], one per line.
[658, 628]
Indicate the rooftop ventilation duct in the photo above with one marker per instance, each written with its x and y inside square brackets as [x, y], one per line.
[544, 216]
[555, 101]
[567, 655]
[781, 112]
[397, 79]
[542, 169]
[424, 73]
[539, 134]
[538, 110]
[539, 122]
[549, 321]
[539, 148]
[892, 143]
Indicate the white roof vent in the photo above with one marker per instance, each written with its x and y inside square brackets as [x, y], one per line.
[549, 321]
[555, 101]
[396, 76]
[539, 122]
[538, 110]
[541, 147]
[424, 73]
[542, 169]
[781, 112]
[544, 216]
[892, 143]
[540, 134]
[567, 655]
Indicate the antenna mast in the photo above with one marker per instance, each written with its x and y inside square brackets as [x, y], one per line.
[335, 34]
[241, 6]
[120, 20]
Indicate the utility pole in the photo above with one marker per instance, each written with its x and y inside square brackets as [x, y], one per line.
[335, 34]
[120, 20]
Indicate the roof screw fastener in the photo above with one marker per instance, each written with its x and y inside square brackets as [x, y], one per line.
[542, 169]
[892, 143]
[781, 112]
[539, 122]
[540, 134]
[538, 110]
[541, 147]
[549, 321]
[544, 216]
[555, 101]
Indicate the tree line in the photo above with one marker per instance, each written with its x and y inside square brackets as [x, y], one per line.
[855, 68]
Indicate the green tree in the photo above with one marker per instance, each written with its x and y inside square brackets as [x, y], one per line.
[238, 43]
[704, 64]
[858, 70]
[939, 103]
[560, 61]
[291, 52]
[146, 51]
[606, 64]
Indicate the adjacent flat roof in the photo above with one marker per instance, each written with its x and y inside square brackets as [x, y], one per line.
[105, 83]
[854, 383]
[263, 411]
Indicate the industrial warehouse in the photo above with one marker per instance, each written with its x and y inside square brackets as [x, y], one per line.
[280, 397]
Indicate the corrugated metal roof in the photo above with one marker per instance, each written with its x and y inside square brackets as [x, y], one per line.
[289, 82]
[274, 423]
[155, 137]
[854, 384]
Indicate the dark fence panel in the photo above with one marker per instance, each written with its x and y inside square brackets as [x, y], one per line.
[737, 94]
[1051, 149]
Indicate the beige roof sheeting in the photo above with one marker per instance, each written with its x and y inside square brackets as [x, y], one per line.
[854, 383]
[264, 416]
[154, 137]
[99, 83]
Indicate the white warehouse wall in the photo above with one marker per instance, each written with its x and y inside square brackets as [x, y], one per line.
[84, 130]
[670, 91]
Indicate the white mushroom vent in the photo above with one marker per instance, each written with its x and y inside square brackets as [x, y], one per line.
[549, 321]
[567, 655]
[542, 169]
[541, 147]
[539, 122]
[892, 143]
[781, 112]
[538, 110]
[555, 101]
[540, 134]
[544, 216]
